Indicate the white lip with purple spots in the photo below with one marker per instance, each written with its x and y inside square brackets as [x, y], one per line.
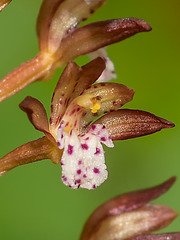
[83, 161]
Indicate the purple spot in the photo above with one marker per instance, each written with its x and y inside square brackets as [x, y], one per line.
[62, 136]
[61, 163]
[67, 124]
[95, 86]
[62, 94]
[50, 120]
[64, 178]
[75, 123]
[78, 109]
[51, 108]
[79, 171]
[73, 111]
[70, 149]
[94, 186]
[77, 181]
[80, 162]
[103, 139]
[93, 127]
[84, 176]
[103, 127]
[96, 170]
[71, 133]
[59, 144]
[87, 138]
[84, 146]
[98, 151]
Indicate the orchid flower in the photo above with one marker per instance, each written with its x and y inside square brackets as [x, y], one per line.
[60, 40]
[73, 136]
[130, 216]
[4, 3]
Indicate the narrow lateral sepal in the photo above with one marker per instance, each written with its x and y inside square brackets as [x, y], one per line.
[93, 36]
[30, 152]
[126, 123]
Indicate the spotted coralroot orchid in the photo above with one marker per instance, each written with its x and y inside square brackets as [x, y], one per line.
[4, 3]
[73, 136]
[60, 40]
[131, 216]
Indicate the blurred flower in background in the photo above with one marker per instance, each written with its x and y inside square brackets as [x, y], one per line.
[131, 216]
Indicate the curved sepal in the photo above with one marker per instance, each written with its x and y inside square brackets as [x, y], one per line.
[97, 35]
[30, 152]
[105, 215]
[126, 123]
[37, 115]
[59, 17]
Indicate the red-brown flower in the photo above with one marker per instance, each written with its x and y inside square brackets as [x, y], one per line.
[73, 136]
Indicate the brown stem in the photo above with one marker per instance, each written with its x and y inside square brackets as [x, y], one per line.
[30, 152]
[25, 74]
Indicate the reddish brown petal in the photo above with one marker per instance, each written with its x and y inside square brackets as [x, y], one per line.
[37, 115]
[4, 3]
[30, 152]
[25, 74]
[72, 82]
[143, 220]
[165, 236]
[123, 203]
[125, 123]
[62, 93]
[58, 17]
[97, 35]
[90, 73]
[111, 96]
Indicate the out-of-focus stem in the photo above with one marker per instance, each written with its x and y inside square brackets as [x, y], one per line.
[4, 3]
[25, 74]
[30, 152]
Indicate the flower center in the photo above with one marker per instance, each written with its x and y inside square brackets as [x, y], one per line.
[89, 101]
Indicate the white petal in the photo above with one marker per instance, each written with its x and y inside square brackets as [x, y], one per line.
[83, 161]
[109, 72]
[100, 131]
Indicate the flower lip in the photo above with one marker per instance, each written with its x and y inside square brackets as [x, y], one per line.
[83, 163]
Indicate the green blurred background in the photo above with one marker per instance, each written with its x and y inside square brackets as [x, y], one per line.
[34, 204]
